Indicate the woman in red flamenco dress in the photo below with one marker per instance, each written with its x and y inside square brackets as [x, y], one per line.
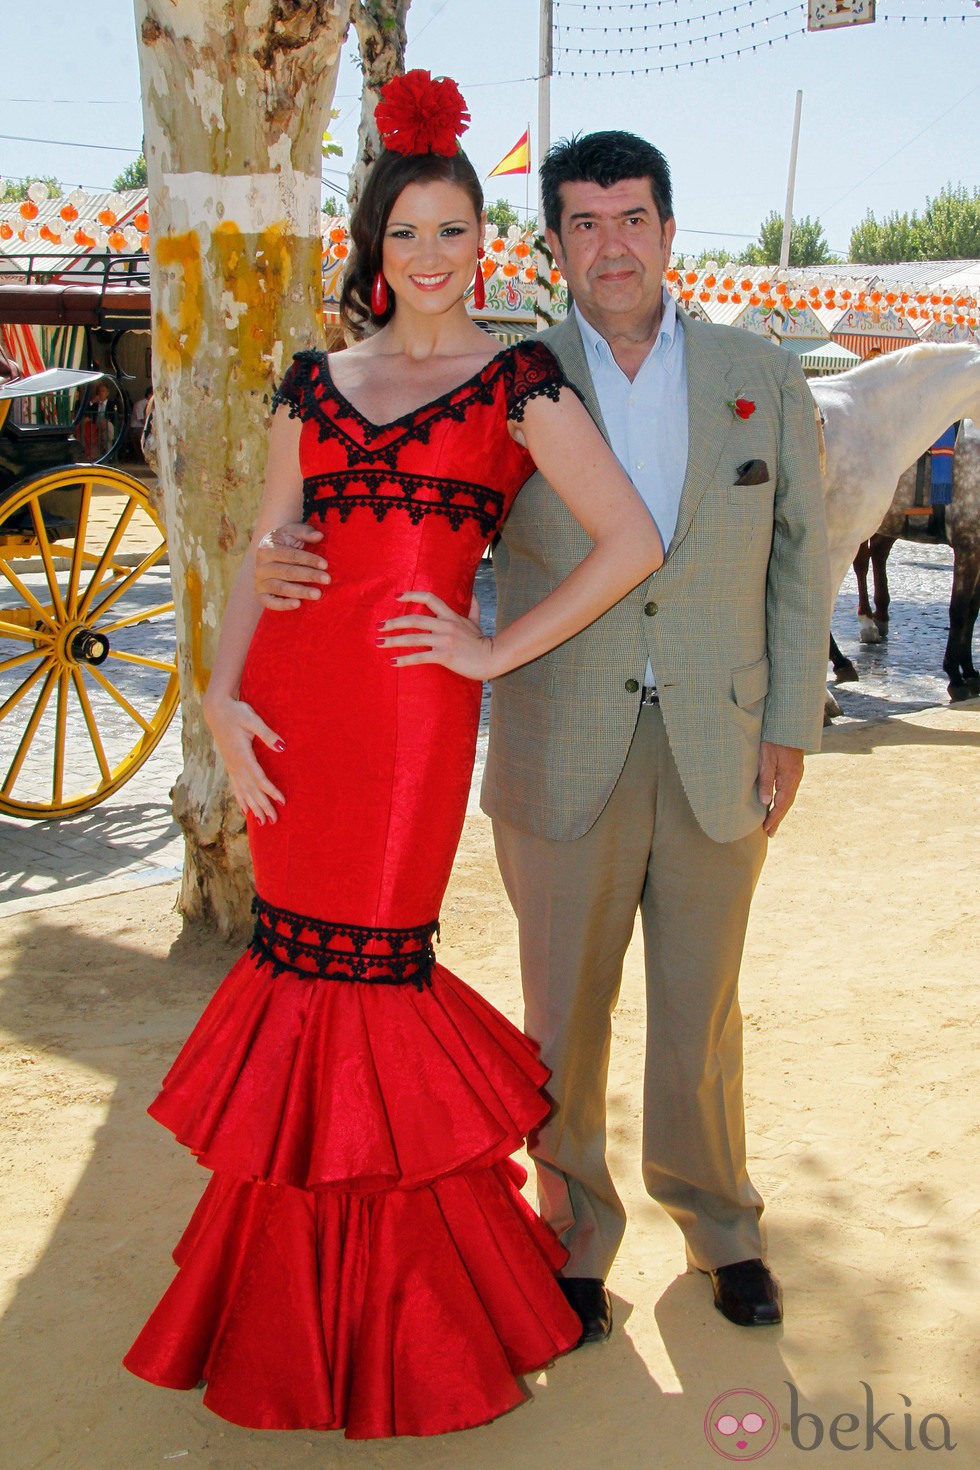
[362, 1256]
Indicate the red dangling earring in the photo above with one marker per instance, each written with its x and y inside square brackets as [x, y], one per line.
[479, 288]
[379, 295]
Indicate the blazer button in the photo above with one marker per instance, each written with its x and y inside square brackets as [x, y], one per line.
[631, 686]
[650, 608]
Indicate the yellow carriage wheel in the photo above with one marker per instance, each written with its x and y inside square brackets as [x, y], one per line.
[88, 666]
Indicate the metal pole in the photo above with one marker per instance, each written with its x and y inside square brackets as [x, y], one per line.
[545, 64]
[790, 186]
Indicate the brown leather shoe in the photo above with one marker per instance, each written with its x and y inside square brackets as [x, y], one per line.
[747, 1293]
[589, 1299]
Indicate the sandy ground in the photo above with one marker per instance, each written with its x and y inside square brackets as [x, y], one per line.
[860, 1088]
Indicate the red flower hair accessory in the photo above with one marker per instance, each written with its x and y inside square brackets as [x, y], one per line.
[419, 114]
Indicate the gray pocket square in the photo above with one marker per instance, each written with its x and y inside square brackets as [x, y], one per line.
[752, 472]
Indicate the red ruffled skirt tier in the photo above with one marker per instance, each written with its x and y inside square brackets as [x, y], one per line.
[363, 1257]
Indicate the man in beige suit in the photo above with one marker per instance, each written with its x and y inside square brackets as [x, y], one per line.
[644, 764]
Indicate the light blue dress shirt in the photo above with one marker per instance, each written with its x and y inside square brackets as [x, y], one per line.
[646, 419]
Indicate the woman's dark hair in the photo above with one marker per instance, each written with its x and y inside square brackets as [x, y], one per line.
[604, 159]
[388, 177]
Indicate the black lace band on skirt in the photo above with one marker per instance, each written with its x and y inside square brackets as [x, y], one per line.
[314, 949]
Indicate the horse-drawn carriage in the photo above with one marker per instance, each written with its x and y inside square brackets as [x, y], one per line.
[88, 675]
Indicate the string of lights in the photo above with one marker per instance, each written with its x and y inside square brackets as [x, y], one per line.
[676, 45]
[580, 53]
[657, 25]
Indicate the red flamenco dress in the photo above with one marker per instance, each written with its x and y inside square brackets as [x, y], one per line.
[362, 1256]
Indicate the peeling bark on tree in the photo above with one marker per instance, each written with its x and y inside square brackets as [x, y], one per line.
[381, 39]
[235, 102]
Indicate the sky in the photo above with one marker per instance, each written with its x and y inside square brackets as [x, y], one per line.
[890, 113]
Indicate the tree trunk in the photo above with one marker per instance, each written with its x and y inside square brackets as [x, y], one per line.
[381, 39]
[235, 102]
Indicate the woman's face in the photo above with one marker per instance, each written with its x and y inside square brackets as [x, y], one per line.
[430, 245]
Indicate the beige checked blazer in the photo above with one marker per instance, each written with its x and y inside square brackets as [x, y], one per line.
[735, 622]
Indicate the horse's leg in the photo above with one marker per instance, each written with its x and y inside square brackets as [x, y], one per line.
[866, 623]
[964, 605]
[844, 670]
[880, 547]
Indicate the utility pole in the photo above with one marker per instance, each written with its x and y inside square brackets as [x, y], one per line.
[545, 66]
[543, 308]
[790, 186]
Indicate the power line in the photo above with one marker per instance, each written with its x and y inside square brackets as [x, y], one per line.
[63, 143]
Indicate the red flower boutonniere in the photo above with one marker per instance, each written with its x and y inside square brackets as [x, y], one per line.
[742, 408]
[419, 113]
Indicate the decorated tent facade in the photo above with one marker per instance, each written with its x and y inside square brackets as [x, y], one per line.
[831, 315]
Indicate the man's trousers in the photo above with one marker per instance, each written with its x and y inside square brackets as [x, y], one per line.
[576, 904]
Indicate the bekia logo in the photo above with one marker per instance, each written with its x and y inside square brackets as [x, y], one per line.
[743, 1425]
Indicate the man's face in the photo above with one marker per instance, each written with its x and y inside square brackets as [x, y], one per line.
[612, 250]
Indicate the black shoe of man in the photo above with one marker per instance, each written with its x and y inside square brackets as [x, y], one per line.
[589, 1299]
[747, 1293]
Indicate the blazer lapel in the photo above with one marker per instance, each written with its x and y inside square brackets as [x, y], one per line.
[710, 389]
[566, 343]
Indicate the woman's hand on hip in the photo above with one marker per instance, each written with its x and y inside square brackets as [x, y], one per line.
[235, 726]
[440, 636]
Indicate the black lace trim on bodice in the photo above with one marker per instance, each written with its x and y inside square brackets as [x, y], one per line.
[418, 495]
[372, 477]
[314, 949]
[529, 370]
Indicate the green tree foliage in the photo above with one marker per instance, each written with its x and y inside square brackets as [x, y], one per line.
[331, 206]
[720, 258]
[501, 214]
[133, 176]
[807, 245]
[14, 193]
[949, 229]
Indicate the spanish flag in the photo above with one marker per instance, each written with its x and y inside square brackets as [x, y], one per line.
[517, 161]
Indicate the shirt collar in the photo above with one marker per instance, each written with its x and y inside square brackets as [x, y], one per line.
[597, 348]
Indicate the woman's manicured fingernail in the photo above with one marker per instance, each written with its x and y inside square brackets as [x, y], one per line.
[280, 745]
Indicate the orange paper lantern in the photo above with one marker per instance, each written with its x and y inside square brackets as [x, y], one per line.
[80, 238]
[141, 221]
[68, 213]
[6, 233]
[28, 209]
[106, 217]
[117, 240]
